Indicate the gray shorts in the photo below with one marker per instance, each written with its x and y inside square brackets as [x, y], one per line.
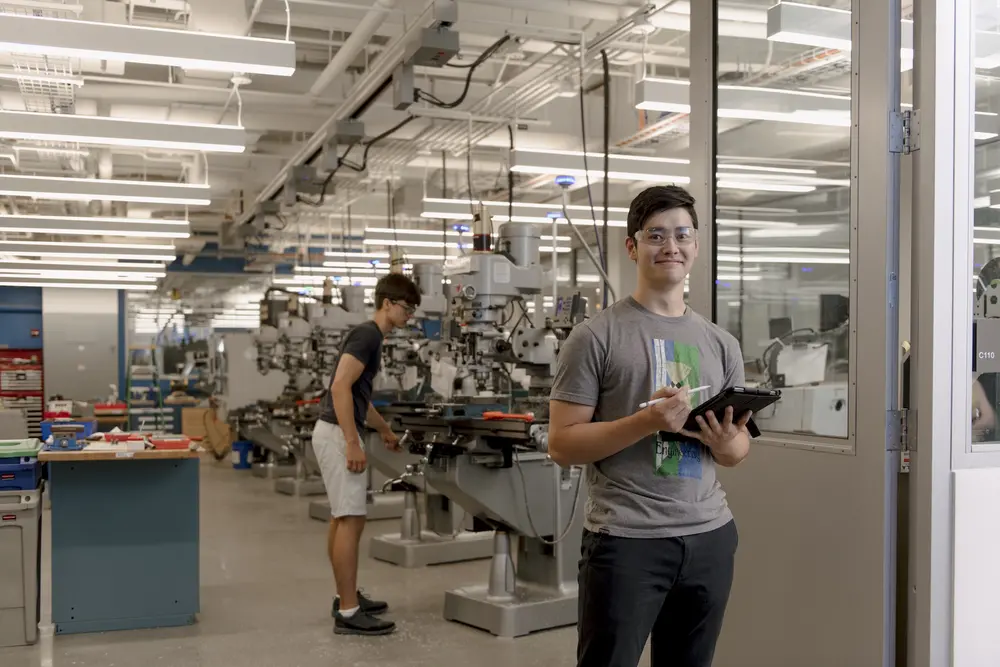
[347, 491]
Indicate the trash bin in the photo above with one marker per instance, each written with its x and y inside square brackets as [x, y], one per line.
[20, 549]
[242, 454]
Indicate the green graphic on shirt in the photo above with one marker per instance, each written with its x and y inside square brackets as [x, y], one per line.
[676, 364]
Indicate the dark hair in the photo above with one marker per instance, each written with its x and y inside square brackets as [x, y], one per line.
[396, 287]
[658, 199]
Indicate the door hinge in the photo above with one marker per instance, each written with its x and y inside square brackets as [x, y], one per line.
[904, 128]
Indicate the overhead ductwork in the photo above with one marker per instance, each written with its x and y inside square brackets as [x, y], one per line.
[354, 45]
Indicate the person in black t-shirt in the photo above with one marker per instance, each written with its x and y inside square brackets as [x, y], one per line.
[345, 410]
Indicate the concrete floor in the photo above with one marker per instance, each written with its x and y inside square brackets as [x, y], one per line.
[266, 589]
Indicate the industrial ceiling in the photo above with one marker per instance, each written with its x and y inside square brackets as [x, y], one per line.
[227, 124]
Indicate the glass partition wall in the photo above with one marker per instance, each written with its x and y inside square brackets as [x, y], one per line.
[783, 201]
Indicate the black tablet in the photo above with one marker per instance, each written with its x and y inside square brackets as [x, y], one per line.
[742, 400]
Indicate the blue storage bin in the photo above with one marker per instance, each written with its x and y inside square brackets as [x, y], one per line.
[89, 427]
[20, 476]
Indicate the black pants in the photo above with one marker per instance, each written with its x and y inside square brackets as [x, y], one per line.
[673, 588]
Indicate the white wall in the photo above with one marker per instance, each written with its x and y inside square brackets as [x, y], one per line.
[977, 568]
[81, 342]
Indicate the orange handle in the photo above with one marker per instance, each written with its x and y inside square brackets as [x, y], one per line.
[506, 415]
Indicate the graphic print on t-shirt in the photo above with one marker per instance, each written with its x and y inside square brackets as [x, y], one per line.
[676, 364]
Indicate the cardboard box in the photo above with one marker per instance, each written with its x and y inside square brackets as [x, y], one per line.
[193, 422]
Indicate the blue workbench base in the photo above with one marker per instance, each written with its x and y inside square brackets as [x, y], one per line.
[124, 544]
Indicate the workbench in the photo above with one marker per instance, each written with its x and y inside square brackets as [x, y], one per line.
[124, 539]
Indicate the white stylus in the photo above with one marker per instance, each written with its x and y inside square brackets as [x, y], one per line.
[696, 390]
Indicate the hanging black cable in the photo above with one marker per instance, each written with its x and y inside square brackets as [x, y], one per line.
[326, 183]
[350, 239]
[602, 249]
[510, 178]
[586, 168]
[368, 145]
[493, 48]
[444, 195]
[390, 214]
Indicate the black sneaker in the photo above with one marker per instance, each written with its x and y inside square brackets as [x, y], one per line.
[367, 605]
[362, 623]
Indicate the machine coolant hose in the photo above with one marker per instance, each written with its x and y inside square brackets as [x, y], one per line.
[527, 507]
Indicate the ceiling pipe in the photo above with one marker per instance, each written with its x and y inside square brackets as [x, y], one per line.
[354, 45]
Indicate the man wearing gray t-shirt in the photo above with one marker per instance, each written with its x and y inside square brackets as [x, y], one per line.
[659, 541]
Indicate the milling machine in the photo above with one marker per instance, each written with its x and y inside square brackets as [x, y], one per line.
[482, 456]
[405, 366]
[303, 341]
[407, 352]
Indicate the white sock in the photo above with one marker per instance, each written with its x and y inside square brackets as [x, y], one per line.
[347, 613]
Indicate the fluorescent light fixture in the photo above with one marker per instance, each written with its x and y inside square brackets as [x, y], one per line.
[35, 282]
[77, 275]
[756, 224]
[440, 244]
[639, 168]
[735, 277]
[70, 225]
[766, 187]
[380, 256]
[621, 167]
[981, 202]
[92, 189]
[825, 28]
[995, 199]
[344, 270]
[132, 251]
[153, 46]
[106, 131]
[356, 255]
[435, 233]
[805, 232]
[809, 25]
[524, 212]
[749, 102]
[20, 265]
[772, 170]
[772, 249]
[317, 281]
[778, 259]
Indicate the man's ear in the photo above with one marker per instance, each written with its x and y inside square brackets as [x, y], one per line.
[632, 250]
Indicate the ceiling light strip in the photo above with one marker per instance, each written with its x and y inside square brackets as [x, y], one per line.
[439, 244]
[70, 225]
[108, 267]
[113, 251]
[34, 282]
[90, 189]
[106, 131]
[189, 49]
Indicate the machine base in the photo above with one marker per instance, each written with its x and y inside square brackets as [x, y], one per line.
[386, 506]
[272, 470]
[431, 549]
[531, 610]
[300, 487]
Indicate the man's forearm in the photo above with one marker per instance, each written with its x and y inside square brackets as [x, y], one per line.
[343, 407]
[734, 451]
[580, 444]
[376, 421]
